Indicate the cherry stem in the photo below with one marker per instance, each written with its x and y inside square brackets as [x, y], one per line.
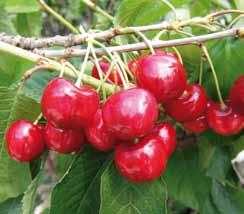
[234, 21]
[171, 7]
[83, 66]
[221, 101]
[178, 54]
[201, 71]
[58, 16]
[37, 119]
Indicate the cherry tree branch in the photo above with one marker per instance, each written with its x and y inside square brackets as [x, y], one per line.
[74, 40]
[197, 40]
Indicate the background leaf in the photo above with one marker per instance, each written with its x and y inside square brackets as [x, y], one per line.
[120, 196]
[21, 6]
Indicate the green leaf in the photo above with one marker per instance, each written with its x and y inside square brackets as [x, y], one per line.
[12, 68]
[227, 56]
[78, 190]
[34, 86]
[239, 4]
[11, 206]
[21, 6]
[29, 24]
[13, 105]
[186, 181]
[62, 163]
[120, 196]
[6, 25]
[29, 199]
[227, 199]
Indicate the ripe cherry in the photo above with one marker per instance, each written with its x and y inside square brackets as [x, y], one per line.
[198, 125]
[190, 105]
[68, 107]
[63, 141]
[132, 65]
[237, 95]
[24, 141]
[162, 74]
[130, 113]
[224, 121]
[142, 162]
[114, 75]
[98, 135]
[167, 134]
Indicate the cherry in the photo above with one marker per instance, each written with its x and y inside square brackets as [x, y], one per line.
[162, 74]
[68, 107]
[132, 65]
[98, 135]
[63, 141]
[190, 105]
[237, 95]
[114, 75]
[166, 132]
[130, 113]
[142, 162]
[224, 121]
[198, 125]
[24, 141]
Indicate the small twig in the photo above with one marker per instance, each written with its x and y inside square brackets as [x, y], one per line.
[58, 16]
[96, 8]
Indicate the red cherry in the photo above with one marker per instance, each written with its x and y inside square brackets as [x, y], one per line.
[98, 135]
[224, 121]
[132, 65]
[113, 77]
[237, 95]
[130, 113]
[142, 162]
[198, 125]
[190, 105]
[24, 141]
[167, 134]
[68, 107]
[63, 141]
[162, 74]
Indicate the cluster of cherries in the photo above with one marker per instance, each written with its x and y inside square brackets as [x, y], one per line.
[126, 123]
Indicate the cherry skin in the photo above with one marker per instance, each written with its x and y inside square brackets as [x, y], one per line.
[162, 74]
[63, 141]
[237, 95]
[166, 132]
[190, 105]
[68, 107]
[24, 141]
[132, 65]
[114, 75]
[130, 113]
[142, 162]
[224, 121]
[98, 135]
[199, 125]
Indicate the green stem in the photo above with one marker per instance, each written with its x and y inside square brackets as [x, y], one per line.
[201, 71]
[234, 21]
[58, 16]
[171, 7]
[94, 7]
[19, 52]
[221, 101]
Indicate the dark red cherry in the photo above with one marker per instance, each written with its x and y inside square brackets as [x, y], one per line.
[68, 107]
[63, 141]
[198, 125]
[190, 105]
[237, 95]
[24, 141]
[98, 135]
[224, 121]
[132, 65]
[162, 74]
[114, 75]
[130, 113]
[142, 162]
[167, 134]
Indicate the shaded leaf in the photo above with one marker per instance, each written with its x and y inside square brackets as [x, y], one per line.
[11, 206]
